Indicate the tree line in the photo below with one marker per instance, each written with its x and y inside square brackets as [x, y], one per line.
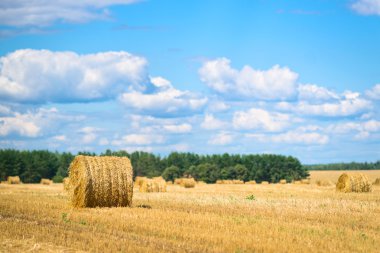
[31, 166]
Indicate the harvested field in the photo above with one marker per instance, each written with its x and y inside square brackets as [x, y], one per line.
[207, 218]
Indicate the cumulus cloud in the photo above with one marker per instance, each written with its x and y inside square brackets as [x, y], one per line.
[374, 93]
[312, 92]
[139, 139]
[260, 119]
[272, 84]
[180, 128]
[351, 103]
[222, 138]
[164, 100]
[46, 76]
[212, 123]
[366, 7]
[89, 134]
[42, 13]
[362, 129]
[59, 138]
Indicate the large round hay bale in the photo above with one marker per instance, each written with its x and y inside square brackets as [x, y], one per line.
[46, 181]
[377, 181]
[14, 180]
[147, 185]
[282, 181]
[101, 181]
[353, 182]
[188, 182]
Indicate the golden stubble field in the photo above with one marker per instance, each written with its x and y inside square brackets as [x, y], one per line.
[207, 218]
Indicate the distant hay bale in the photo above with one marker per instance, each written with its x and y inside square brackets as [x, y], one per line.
[14, 180]
[219, 182]
[188, 182]
[178, 181]
[66, 183]
[324, 182]
[264, 182]
[153, 185]
[158, 178]
[251, 182]
[46, 181]
[297, 182]
[377, 181]
[353, 182]
[169, 182]
[201, 183]
[139, 180]
[237, 181]
[305, 181]
[282, 181]
[101, 181]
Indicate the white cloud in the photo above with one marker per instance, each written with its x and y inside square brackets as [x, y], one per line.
[181, 128]
[4, 110]
[218, 106]
[89, 134]
[312, 92]
[349, 104]
[139, 139]
[369, 126]
[367, 7]
[223, 138]
[59, 138]
[46, 76]
[374, 93]
[260, 119]
[272, 84]
[212, 123]
[42, 13]
[164, 101]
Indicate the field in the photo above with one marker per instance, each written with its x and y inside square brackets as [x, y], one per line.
[207, 218]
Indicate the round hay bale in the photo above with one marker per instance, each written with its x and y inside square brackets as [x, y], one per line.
[219, 182]
[324, 182]
[139, 180]
[282, 181]
[201, 183]
[251, 182]
[178, 181]
[377, 181]
[14, 180]
[169, 182]
[353, 182]
[297, 182]
[66, 183]
[237, 181]
[101, 181]
[188, 182]
[147, 185]
[46, 181]
[264, 182]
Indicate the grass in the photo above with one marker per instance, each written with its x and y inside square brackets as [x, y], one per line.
[207, 218]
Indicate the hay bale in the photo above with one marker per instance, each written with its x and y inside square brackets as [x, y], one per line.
[237, 181]
[353, 182]
[324, 182]
[282, 181]
[139, 180]
[219, 182]
[188, 182]
[14, 180]
[178, 181]
[201, 183]
[264, 182]
[101, 181]
[251, 182]
[66, 183]
[46, 181]
[377, 181]
[153, 185]
[305, 181]
[297, 182]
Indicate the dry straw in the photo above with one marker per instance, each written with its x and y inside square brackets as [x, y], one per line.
[297, 182]
[14, 180]
[46, 181]
[283, 181]
[139, 180]
[101, 181]
[66, 183]
[251, 182]
[188, 182]
[305, 181]
[377, 181]
[157, 184]
[264, 182]
[353, 182]
[237, 181]
[324, 182]
[178, 181]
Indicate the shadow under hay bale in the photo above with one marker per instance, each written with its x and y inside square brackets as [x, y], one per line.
[101, 181]
[14, 180]
[353, 182]
[46, 181]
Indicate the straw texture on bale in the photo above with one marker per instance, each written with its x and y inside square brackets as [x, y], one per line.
[66, 183]
[264, 182]
[283, 181]
[14, 180]
[188, 182]
[377, 181]
[101, 181]
[251, 182]
[353, 182]
[46, 181]
[324, 182]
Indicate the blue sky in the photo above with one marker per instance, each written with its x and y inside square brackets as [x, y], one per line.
[289, 77]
